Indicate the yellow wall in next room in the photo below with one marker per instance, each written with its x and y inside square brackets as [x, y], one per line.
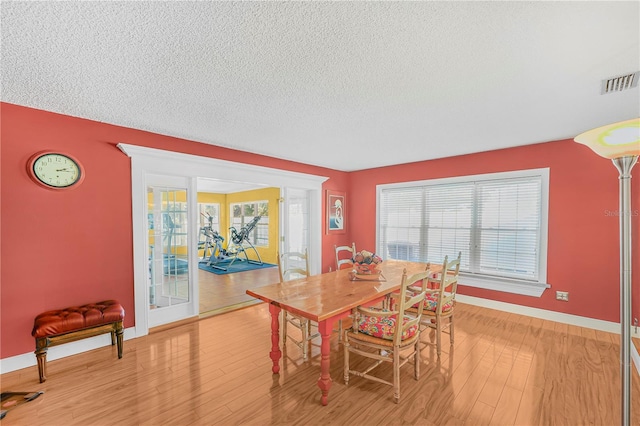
[272, 195]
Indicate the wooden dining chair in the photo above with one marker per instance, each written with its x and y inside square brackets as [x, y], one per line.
[344, 260]
[344, 256]
[439, 306]
[294, 265]
[382, 334]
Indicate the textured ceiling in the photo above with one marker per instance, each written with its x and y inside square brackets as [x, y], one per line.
[345, 85]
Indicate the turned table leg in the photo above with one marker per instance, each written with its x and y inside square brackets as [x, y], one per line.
[324, 382]
[275, 353]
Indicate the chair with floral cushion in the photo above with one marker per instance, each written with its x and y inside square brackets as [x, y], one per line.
[294, 265]
[344, 256]
[440, 301]
[382, 334]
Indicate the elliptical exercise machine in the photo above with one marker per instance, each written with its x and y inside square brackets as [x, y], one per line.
[212, 244]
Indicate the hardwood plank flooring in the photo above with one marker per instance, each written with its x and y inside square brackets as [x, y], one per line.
[221, 292]
[503, 369]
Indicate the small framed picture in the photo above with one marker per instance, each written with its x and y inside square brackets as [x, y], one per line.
[336, 212]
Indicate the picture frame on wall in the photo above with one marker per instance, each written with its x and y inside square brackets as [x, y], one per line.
[336, 217]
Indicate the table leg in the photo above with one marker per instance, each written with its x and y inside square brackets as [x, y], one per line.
[324, 382]
[275, 353]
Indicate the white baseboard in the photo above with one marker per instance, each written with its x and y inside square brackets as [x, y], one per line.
[611, 327]
[608, 326]
[19, 362]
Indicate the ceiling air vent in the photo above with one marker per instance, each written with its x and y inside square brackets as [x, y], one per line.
[623, 82]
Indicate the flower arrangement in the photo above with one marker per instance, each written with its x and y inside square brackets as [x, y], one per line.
[365, 262]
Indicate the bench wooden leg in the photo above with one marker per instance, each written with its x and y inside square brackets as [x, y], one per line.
[119, 337]
[41, 358]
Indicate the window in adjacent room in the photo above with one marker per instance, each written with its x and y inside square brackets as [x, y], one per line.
[243, 213]
[209, 215]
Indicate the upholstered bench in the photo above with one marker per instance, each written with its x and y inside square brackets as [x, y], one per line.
[60, 326]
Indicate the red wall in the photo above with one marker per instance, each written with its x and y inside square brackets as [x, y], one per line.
[71, 247]
[60, 248]
[583, 251]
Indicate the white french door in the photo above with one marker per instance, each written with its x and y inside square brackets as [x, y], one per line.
[169, 276]
[294, 220]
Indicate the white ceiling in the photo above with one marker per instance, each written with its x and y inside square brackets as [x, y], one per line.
[345, 85]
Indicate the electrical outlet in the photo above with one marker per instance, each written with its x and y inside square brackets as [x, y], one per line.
[562, 295]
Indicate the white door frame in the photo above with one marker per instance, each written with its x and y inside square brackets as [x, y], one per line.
[145, 161]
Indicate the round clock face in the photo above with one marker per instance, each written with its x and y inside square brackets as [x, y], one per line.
[56, 170]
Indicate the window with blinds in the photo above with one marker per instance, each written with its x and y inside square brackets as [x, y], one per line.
[243, 213]
[497, 221]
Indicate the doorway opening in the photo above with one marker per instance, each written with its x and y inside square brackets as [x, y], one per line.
[149, 162]
[281, 217]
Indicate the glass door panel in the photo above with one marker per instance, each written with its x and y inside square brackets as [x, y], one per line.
[295, 220]
[168, 237]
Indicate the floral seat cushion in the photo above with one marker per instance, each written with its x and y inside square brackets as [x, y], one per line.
[384, 327]
[431, 303]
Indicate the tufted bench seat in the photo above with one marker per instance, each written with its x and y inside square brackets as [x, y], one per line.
[60, 326]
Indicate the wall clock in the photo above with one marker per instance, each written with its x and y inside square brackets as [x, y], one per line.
[55, 170]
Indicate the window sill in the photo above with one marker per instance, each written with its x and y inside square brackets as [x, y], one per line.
[505, 285]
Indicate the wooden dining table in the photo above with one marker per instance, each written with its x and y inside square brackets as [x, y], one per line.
[327, 298]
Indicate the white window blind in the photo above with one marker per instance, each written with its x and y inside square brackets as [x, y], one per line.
[497, 222]
[449, 222]
[509, 228]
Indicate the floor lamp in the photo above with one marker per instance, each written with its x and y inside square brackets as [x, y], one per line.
[620, 142]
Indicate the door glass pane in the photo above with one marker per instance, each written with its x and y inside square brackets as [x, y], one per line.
[297, 220]
[168, 247]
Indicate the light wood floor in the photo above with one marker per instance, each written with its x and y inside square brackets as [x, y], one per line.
[222, 292]
[504, 369]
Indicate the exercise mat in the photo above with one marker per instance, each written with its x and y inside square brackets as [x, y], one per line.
[226, 267]
[11, 400]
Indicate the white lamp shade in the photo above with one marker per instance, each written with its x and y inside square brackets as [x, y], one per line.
[613, 140]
